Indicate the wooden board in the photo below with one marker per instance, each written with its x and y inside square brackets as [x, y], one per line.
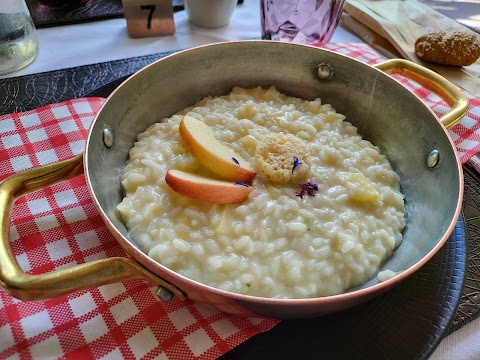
[392, 27]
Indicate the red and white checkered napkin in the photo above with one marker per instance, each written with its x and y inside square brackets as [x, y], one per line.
[59, 226]
[465, 134]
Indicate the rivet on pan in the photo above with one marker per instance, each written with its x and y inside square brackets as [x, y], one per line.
[432, 158]
[164, 294]
[108, 137]
[324, 71]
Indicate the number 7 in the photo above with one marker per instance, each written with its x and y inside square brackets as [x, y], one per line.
[150, 14]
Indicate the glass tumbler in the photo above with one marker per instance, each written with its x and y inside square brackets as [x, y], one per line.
[300, 21]
[18, 37]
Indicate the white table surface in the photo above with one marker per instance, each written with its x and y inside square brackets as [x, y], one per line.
[88, 43]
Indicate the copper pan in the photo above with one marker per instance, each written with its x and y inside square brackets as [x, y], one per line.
[385, 112]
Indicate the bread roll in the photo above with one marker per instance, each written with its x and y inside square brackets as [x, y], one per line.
[457, 48]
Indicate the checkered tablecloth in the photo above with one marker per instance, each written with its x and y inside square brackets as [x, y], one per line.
[59, 226]
[465, 134]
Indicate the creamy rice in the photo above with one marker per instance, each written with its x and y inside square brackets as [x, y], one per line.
[274, 244]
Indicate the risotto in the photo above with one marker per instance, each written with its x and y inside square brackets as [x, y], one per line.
[279, 242]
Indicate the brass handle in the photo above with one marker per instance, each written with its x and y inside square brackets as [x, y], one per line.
[64, 281]
[434, 82]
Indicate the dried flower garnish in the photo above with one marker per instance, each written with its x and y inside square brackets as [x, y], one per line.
[235, 161]
[308, 188]
[240, 183]
[296, 162]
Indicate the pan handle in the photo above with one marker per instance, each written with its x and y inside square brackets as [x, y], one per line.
[63, 281]
[434, 82]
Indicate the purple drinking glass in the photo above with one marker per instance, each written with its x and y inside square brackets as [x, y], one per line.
[300, 21]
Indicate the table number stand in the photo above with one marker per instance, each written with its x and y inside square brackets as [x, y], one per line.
[147, 18]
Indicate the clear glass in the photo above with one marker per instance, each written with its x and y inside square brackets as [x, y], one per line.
[300, 21]
[18, 37]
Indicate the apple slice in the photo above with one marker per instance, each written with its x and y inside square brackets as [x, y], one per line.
[215, 156]
[205, 189]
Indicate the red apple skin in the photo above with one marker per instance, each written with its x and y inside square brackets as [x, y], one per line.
[205, 189]
[215, 156]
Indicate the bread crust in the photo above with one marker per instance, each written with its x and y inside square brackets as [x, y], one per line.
[456, 48]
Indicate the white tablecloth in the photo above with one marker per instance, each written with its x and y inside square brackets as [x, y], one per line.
[82, 44]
